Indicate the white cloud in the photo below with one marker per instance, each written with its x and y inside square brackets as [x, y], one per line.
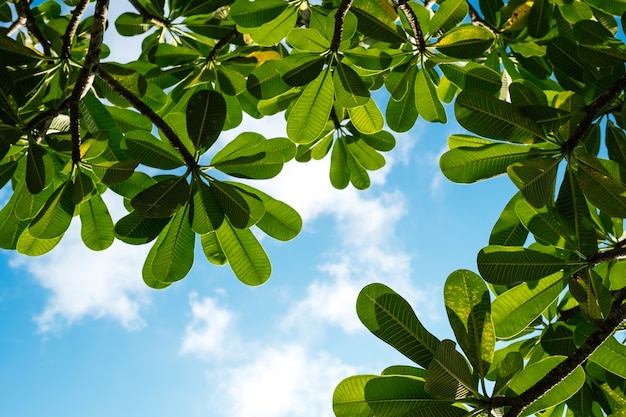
[210, 324]
[83, 283]
[282, 381]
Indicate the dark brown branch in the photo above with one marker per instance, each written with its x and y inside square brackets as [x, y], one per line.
[221, 44]
[144, 109]
[340, 17]
[27, 14]
[479, 20]
[156, 20]
[578, 357]
[609, 255]
[592, 111]
[72, 27]
[75, 132]
[414, 23]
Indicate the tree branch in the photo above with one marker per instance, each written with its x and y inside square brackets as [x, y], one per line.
[414, 23]
[27, 14]
[144, 109]
[340, 17]
[221, 44]
[578, 357]
[479, 20]
[86, 74]
[609, 255]
[15, 26]
[72, 27]
[593, 110]
[157, 21]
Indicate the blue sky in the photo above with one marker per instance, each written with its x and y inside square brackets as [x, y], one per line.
[82, 335]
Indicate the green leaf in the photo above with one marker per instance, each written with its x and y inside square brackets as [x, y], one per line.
[11, 227]
[162, 199]
[611, 355]
[277, 29]
[307, 39]
[448, 375]
[515, 309]
[559, 394]
[212, 249]
[245, 254]
[387, 396]
[205, 214]
[206, 113]
[540, 18]
[473, 75]
[545, 224]
[485, 115]
[136, 229]
[603, 191]
[468, 164]
[508, 229]
[97, 229]
[266, 81]
[465, 42]
[339, 172]
[449, 14]
[254, 14]
[536, 179]
[112, 172]
[426, 100]
[469, 311]
[367, 119]
[280, 221]
[512, 363]
[301, 69]
[39, 168]
[572, 206]
[174, 251]
[307, 118]
[401, 115]
[374, 22]
[55, 216]
[242, 208]
[389, 317]
[350, 91]
[509, 265]
[131, 24]
[83, 188]
[151, 151]
[32, 246]
[364, 154]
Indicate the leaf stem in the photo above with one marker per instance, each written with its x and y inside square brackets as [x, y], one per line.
[340, 17]
[473, 13]
[144, 109]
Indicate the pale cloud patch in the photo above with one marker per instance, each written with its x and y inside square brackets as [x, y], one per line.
[282, 381]
[207, 332]
[83, 283]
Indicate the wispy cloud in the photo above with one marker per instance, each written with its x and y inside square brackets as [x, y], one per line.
[210, 325]
[282, 381]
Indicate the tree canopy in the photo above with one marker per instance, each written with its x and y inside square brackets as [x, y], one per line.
[538, 87]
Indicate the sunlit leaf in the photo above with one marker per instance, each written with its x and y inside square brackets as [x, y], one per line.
[97, 230]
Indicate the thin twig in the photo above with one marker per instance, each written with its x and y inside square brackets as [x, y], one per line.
[144, 109]
[75, 132]
[221, 44]
[72, 27]
[414, 23]
[31, 25]
[16, 25]
[340, 17]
